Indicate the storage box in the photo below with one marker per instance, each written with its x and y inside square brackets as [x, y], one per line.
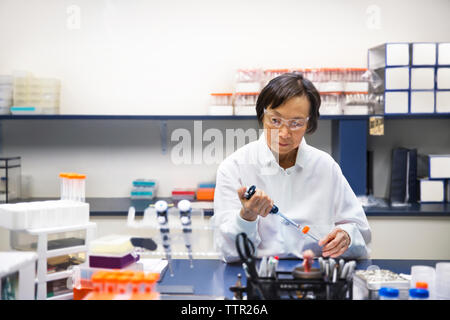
[113, 262]
[39, 93]
[423, 54]
[443, 53]
[396, 102]
[442, 101]
[443, 78]
[422, 102]
[183, 194]
[439, 166]
[432, 190]
[397, 78]
[205, 194]
[43, 214]
[389, 54]
[422, 78]
[367, 283]
[10, 179]
[24, 241]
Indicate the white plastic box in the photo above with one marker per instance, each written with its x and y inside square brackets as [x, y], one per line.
[396, 102]
[444, 53]
[443, 78]
[422, 78]
[422, 102]
[43, 214]
[397, 78]
[432, 190]
[423, 54]
[388, 54]
[443, 101]
[439, 166]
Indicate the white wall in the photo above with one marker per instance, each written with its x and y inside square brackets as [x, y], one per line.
[165, 57]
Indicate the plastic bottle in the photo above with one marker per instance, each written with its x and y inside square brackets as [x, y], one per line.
[386, 293]
[63, 185]
[418, 294]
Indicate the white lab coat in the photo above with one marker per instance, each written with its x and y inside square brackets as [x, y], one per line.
[313, 192]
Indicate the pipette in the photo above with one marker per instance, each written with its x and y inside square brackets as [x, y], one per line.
[162, 216]
[305, 230]
[185, 216]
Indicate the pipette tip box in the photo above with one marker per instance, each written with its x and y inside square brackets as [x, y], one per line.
[112, 262]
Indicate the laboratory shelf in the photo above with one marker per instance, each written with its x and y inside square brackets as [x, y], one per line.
[64, 296]
[413, 210]
[65, 251]
[205, 117]
[119, 207]
[58, 275]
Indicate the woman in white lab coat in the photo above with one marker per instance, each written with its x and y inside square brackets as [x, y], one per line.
[306, 184]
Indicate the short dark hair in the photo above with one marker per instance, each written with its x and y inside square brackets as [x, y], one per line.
[284, 87]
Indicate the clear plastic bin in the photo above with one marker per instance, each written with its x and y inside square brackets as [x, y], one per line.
[245, 103]
[36, 92]
[356, 103]
[10, 179]
[270, 74]
[57, 288]
[249, 80]
[331, 103]
[221, 104]
[64, 262]
[24, 241]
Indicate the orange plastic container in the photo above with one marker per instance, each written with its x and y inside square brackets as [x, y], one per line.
[205, 194]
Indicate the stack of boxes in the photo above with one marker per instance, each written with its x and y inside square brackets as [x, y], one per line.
[144, 189]
[436, 187]
[205, 191]
[6, 94]
[36, 95]
[415, 77]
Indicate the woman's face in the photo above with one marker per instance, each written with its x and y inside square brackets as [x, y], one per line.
[284, 140]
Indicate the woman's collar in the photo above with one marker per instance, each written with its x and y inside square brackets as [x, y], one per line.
[266, 156]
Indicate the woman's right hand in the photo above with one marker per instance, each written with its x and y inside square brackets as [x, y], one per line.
[259, 204]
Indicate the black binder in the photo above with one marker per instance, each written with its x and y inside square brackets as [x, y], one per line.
[404, 185]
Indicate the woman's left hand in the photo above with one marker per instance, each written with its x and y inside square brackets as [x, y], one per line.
[335, 243]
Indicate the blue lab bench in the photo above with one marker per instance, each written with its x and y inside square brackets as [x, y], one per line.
[211, 279]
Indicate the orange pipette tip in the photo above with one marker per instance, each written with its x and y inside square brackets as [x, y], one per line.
[305, 229]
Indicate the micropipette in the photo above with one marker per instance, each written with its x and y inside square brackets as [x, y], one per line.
[162, 216]
[185, 216]
[305, 230]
